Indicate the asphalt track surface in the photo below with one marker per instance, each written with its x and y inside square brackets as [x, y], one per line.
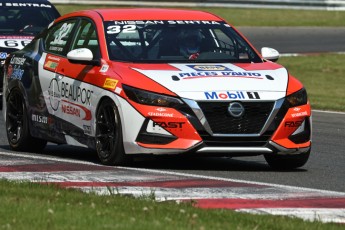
[324, 170]
[297, 39]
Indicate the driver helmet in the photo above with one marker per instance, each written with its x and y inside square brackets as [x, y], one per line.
[190, 41]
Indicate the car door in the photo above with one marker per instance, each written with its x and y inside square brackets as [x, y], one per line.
[55, 44]
[76, 85]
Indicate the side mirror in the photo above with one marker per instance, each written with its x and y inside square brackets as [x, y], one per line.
[269, 54]
[82, 56]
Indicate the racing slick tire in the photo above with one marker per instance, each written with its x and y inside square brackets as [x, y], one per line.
[109, 143]
[287, 162]
[17, 125]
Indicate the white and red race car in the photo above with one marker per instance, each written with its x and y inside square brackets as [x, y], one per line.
[154, 81]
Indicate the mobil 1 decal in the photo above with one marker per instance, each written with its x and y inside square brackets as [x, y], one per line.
[231, 95]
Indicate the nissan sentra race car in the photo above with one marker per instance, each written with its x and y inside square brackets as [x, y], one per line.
[129, 82]
[20, 21]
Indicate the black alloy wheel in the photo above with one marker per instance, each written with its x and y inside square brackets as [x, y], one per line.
[17, 125]
[109, 143]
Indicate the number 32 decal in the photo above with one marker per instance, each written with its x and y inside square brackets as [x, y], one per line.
[62, 33]
[123, 29]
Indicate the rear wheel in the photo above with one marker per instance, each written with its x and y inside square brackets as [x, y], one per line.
[109, 143]
[286, 162]
[17, 125]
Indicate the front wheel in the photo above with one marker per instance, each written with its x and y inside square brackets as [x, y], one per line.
[287, 162]
[109, 143]
[17, 125]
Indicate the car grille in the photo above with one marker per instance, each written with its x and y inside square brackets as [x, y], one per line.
[252, 122]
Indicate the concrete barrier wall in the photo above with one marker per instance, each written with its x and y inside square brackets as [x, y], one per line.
[272, 4]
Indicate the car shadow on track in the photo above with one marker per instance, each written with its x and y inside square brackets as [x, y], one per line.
[185, 163]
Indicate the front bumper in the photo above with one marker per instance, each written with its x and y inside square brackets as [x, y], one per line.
[192, 129]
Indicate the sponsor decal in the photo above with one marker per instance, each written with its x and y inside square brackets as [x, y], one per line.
[17, 73]
[118, 90]
[131, 26]
[253, 95]
[14, 70]
[75, 110]
[70, 110]
[50, 65]
[203, 74]
[54, 94]
[49, 57]
[209, 67]
[170, 22]
[55, 48]
[75, 93]
[161, 109]
[17, 60]
[170, 125]
[154, 114]
[296, 109]
[293, 124]
[234, 95]
[104, 69]
[39, 119]
[304, 113]
[25, 5]
[59, 89]
[3, 55]
[110, 83]
[87, 129]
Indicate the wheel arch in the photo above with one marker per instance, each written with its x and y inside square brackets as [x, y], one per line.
[112, 97]
[13, 85]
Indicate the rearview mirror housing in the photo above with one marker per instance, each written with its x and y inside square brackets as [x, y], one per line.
[270, 54]
[82, 56]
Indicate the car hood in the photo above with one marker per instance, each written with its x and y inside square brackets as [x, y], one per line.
[261, 81]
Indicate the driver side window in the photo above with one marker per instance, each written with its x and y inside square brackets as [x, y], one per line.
[86, 37]
[58, 36]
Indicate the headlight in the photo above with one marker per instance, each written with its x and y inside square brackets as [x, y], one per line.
[298, 98]
[149, 98]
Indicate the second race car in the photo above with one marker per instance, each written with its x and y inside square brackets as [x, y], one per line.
[20, 21]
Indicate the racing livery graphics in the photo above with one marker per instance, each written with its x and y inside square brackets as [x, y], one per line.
[129, 82]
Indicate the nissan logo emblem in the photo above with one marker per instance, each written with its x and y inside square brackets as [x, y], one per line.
[236, 109]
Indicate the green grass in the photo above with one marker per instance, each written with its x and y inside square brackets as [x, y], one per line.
[322, 76]
[34, 206]
[256, 17]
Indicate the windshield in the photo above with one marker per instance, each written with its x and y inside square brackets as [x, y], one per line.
[25, 18]
[176, 41]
